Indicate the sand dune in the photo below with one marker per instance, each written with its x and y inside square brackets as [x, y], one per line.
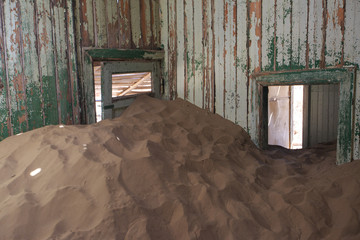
[169, 170]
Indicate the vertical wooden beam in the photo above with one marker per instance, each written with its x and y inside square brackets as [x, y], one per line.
[189, 42]
[299, 34]
[145, 16]
[242, 79]
[5, 110]
[219, 56]
[283, 34]
[172, 49]
[17, 86]
[230, 52]
[255, 56]
[31, 65]
[315, 33]
[47, 63]
[125, 24]
[64, 87]
[334, 32]
[181, 60]
[268, 35]
[198, 67]
[324, 28]
[207, 53]
[71, 60]
[112, 23]
[164, 37]
[86, 22]
[100, 15]
[135, 23]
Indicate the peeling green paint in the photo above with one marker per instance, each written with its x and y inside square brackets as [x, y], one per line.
[101, 54]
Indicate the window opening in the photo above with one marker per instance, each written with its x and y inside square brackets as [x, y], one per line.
[123, 85]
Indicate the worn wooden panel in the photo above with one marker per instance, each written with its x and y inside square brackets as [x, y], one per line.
[100, 26]
[172, 41]
[241, 68]
[5, 125]
[198, 65]
[208, 46]
[268, 35]
[283, 34]
[60, 39]
[34, 99]
[112, 23]
[145, 16]
[87, 22]
[189, 42]
[323, 115]
[164, 37]
[89, 90]
[125, 23]
[315, 33]
[335, 29]
[135, 23]
[299, 34]
[254, 54]
[72, 65]
[219, 57]
[15, 64]
[47, 63]
[181, 57]
[230, 52]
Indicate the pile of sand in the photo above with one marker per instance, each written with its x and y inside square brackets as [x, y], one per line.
[168, 170]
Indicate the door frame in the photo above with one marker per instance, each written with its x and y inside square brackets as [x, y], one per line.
[92, 55]
[345, 77]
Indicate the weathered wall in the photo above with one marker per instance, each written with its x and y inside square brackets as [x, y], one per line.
[214, 47]
[123, 24]
[38, 82]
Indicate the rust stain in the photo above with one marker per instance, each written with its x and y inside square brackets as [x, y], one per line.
[152, 22]
[226, 13]
[22, 119]
[143, 23]
[84, 22]
[235, 20]
[341, 17]
[113, 27]
[44, 38]
[18, 84]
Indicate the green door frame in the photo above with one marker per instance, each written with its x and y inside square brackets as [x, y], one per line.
[99, 54]
[345, 77]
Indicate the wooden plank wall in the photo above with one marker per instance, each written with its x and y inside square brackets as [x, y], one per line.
[242, 37]
[120, 24]
[323, 113]
[38, 83]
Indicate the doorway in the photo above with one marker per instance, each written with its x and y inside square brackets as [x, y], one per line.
[344, 77]
[301, 116]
